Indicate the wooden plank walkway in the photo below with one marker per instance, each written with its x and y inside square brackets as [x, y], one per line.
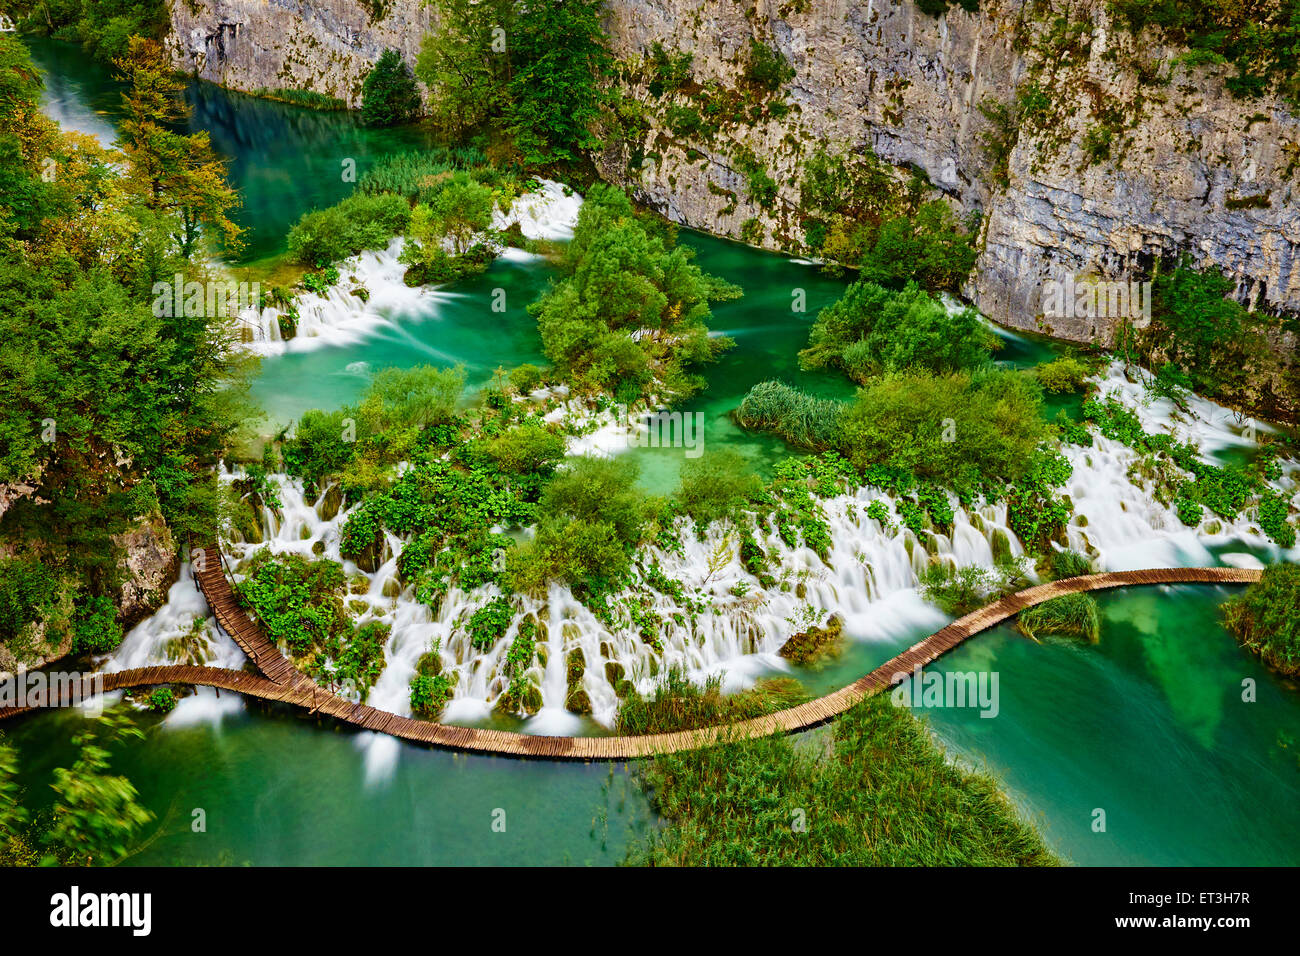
[297, 689]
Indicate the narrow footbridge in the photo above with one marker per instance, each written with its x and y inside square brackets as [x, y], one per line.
[281, 682]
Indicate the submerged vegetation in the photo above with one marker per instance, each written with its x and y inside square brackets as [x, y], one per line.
[679, 704]
[878, 793]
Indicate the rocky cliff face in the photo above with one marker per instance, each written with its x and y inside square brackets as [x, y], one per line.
[1128, 158]
[322, 45]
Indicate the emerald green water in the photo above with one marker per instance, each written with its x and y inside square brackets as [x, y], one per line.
[1148, 725]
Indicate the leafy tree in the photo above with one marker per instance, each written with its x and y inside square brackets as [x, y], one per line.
[388, 93]
[930, 248]
[560, 54]
[466, 62]
[872, 329]
[174, 174]
[627, 281]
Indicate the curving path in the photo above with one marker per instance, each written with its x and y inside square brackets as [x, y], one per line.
[292, 687]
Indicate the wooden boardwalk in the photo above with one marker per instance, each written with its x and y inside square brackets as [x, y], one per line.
[296, 689]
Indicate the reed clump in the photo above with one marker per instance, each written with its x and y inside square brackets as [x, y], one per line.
[678, 704]
[880, 793]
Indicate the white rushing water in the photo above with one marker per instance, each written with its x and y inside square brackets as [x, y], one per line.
[371, 294]
[726, 622]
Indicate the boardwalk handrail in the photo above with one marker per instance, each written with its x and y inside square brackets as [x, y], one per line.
[301, 691]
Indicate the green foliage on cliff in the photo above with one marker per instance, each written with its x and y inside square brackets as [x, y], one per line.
[388, 93]
[1260, 41]
[859, 214]
[529, 71]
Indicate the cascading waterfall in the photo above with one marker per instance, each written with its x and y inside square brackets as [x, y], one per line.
[869, 578]
[371, 292]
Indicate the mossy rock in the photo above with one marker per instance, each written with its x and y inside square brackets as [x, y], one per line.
[371, 557]
[330, 503]
[577, 701]
[304, 533]
[814, 643]
[392, 588]
[247, 524]
[358, 607]
[1001, 545]
[801, 590]
[533, 700]
[575, 665]
[613, 672]
[623, 688]
[358, 584]
[318, 548]
[429, 664]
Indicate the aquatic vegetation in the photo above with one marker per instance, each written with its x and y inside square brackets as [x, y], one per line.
[678, 704]
[800, 419]
[162, 700]
[1266, 617]
[1070, 614]
[880, 793]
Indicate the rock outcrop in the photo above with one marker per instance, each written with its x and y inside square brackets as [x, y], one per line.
[1136, 157]
[322, 45]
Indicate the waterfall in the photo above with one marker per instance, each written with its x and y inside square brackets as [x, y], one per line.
[371, 291]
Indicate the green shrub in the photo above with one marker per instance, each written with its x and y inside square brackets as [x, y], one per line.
[359, 222]
[162, 701]
[1062, 375]
[956, 430]
[430, 693]
[489, 623]
[766, 67]
[95, 629]
[388, 93]
[1266, 617]
[716, 486]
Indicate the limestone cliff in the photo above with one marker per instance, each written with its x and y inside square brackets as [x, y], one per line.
[322, 45]
[1135, 156]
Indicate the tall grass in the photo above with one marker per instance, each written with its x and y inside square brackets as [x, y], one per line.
[308, 98]
[881, 795]
[417, 175]
[799, 418]
[677, 704]
[1266, 617]
[1074, 615]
